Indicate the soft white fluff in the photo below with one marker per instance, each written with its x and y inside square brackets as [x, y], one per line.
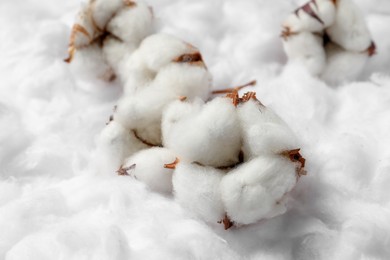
[103, 11]
[205, 133]
[147, 166]
[197, 188]
[116, 52]
[159, 80]
[155, 53]
[131, 24]
[255, 190]
[301, 21]
[79, 37]
[349, 29]
[91, 61]
[116, 143]
[264, 132]
[342, 65]
[306, 48]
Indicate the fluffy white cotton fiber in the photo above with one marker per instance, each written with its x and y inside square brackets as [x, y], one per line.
[263, 132]
[205, 133]
[54, 205]
[148, 166]
[255, 190]
[343, 38]
[196, 188]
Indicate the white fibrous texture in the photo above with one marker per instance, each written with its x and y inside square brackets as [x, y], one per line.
[238, 158]
[148, 166]
[207, 133]
[115, 28]
[330, 38]
[154, 79]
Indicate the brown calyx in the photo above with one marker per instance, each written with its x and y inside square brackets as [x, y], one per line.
[123, 171]
[245, 98]
[77, 28]
[172, 165]
[286, 33]
[144, 141]
[191, 58]
[234, 89]
[295, 156]
[227, 223]
[307, 9]
[129, 3]
[371, 50]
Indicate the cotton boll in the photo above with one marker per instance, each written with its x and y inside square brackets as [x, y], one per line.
[349, 29]
[255, 190]
[155, 53]
[103, 11]
[197, 189]
[83, 31]
[90, 61]
[116, 52]
[326, 11]
[314, 16]
[185, 80]
[132, 23]
[116, 143]
[263, 131]
[306, 48]
[147, 166]
[142, 112]
[342, 65]
[209, 134]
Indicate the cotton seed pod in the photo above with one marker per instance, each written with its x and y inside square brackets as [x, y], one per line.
[349, 29]
[256, 189]
[147, 166]
[206, 133]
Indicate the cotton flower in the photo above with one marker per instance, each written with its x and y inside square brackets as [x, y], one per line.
[147, 166]
[207, 133]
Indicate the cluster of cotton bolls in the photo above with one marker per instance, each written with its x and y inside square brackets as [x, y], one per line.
[330, 38]
[228, 159]
[107, 32]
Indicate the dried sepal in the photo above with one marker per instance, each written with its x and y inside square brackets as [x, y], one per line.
[143, 141]
[286, 33]
[234, 89]
[123, 171]
[76, 29]
[129, 3]
[234, 96]
[371, 50]
[182, 98]
[172, 165]
[191, 58]
[295, 156]
[309, 10]
[227, 223]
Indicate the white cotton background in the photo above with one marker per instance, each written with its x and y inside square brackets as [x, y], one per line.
[55, 205]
